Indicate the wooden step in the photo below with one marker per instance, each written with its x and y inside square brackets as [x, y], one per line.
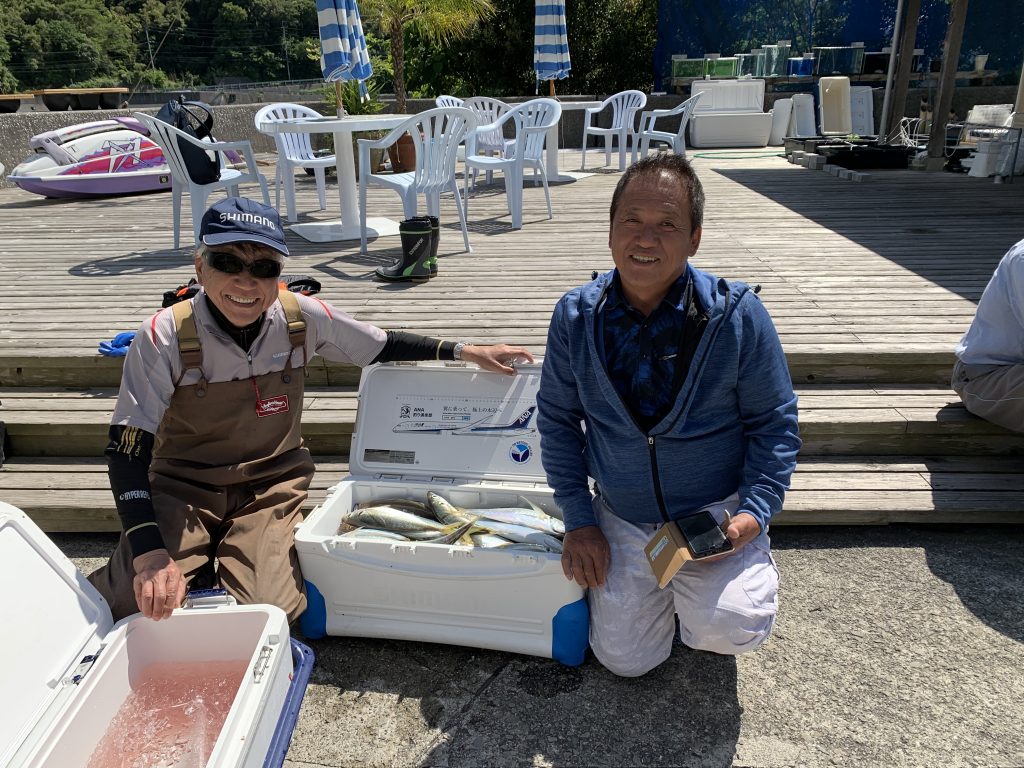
[836, 421]
[72, 495]
[809, 362]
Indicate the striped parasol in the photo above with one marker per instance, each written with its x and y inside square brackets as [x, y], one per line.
[550, 45]
[343, 54]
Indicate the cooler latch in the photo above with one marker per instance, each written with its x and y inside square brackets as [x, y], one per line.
[208, 598]
[262, 662]
[82, 669]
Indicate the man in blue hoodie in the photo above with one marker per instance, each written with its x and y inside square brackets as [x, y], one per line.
[669, 387]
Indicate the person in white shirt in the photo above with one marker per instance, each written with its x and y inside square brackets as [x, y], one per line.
[989, 371]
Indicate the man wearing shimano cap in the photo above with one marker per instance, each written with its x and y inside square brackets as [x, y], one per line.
[205, 458]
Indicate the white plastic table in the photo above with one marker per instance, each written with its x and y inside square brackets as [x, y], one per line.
[342, 128]
[551, 144]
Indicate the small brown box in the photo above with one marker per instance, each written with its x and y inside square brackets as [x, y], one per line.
[666, 553]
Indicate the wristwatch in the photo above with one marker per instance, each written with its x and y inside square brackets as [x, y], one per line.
[457, 350]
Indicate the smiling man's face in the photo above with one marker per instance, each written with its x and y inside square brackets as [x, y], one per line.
[241, 297]
[651, 237]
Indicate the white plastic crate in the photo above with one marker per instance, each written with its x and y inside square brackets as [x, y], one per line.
[69, 667]
[471, 436]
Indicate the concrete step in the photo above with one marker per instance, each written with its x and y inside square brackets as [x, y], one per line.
[72, 495]
[834, 421]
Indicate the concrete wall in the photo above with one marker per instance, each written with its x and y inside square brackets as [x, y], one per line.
[235, 121]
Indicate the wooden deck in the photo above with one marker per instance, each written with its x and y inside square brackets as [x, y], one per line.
[870, 285]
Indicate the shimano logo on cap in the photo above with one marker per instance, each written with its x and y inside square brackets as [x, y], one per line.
[250, 218]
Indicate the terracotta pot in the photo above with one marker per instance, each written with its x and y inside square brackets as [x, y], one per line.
[403, 154]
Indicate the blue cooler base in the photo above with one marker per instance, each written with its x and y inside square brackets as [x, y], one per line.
[302, 661]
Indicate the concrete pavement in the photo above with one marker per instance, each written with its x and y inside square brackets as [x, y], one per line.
[897, 646]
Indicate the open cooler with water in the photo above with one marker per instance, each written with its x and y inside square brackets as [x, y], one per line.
[214, 685]
[470, 436]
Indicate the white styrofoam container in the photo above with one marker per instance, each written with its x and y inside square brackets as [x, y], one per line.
[862, 110]
[834, 108]
[68, 667]
[730, 113]
[471, 436]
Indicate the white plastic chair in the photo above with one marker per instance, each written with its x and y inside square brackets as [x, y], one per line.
[647, 133]
[167, 136]
[436, 134]
[625, 105]
[488, 111]
[294, 151]
[532, 120]
[448, 101]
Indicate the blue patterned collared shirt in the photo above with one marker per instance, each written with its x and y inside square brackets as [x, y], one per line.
[647, 358]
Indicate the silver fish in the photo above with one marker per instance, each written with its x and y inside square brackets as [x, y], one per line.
[373, 534]
[489, 540]
[557, 514]
[521, 533]
[539, 521]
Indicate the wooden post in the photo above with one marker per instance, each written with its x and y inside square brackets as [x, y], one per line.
[901, 83]
[339, 104]
[551, 88]
[1018, 107]
[947, 84]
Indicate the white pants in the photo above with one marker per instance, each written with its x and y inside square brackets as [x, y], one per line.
[725, 606]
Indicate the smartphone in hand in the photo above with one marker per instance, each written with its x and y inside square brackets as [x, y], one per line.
[704, 537]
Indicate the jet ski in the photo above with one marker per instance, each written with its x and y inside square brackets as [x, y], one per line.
[103, 158]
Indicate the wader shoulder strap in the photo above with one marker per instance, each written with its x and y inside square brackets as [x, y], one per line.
[296, 323]
[188, 336]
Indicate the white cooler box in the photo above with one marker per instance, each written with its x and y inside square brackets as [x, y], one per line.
[730, 113]
[68, 668]
[471, 436]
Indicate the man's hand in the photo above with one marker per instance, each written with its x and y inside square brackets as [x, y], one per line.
[742, 530]
[159, 586]
[498, 357]
[586, 556]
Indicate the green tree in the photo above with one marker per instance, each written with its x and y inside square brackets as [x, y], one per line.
[436, 20]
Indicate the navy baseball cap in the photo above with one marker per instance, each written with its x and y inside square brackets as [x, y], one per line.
[241, 220]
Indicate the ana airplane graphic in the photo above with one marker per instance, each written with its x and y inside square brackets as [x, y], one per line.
[518, 426]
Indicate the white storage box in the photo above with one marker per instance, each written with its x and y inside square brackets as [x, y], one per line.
[470, 436]
[834, 108]
[729, 114]
[68, 668]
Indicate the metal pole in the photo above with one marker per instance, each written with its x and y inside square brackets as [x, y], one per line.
[883, 123]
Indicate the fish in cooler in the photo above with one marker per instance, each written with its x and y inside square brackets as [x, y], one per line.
[525, 527]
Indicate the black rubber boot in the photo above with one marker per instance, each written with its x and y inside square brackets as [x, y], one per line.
[413, 265]
[435, 239]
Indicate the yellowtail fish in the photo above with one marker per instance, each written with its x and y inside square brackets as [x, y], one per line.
[529, 516]
[391, 519]
[527, 503]
[447, 512]
[405, 505]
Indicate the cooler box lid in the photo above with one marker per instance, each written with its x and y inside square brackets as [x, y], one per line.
[442, 421]
[52, 614]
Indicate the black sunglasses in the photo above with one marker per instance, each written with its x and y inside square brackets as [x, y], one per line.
[230, 264]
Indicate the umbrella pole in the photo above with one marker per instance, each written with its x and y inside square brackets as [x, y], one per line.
[551, 88]
[337, 99]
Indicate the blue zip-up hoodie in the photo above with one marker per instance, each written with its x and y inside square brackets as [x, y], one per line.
[733, 427]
